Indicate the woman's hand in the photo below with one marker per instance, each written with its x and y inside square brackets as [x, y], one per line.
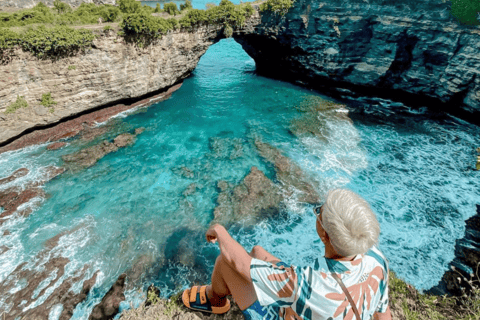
[211, 234]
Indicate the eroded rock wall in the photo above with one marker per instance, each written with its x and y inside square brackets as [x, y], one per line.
[110, 72]
[402, 50]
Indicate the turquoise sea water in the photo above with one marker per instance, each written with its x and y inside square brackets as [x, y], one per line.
[415, 167]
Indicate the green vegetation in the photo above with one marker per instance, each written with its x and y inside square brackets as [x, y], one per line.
[278, 7]
[47, 101]
[407, 303]
[55, 42]
[172, 305]
[226, 13]
[72, 67]
[186, 6]
[158, 9]
[61, 7]
[46, 33]
[171, 8]
[107, 28]
[152, 297]
[129, 6]
[19, 103]
[466, 11]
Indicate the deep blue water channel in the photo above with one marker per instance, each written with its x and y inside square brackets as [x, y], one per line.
[415, 167]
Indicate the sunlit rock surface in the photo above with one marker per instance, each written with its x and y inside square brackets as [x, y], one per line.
[112, 71]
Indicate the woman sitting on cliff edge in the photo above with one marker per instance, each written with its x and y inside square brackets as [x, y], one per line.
[349, 282]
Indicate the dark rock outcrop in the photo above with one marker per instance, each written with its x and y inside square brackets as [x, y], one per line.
[56, 145]
[12, 198]
[467, 254]
[412, 51]
[88, 157]
[110, 304]
[254, 198]
[289, 173]
[17, 174]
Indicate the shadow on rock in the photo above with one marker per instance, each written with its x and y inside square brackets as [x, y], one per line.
[110, 304]
[467, 255]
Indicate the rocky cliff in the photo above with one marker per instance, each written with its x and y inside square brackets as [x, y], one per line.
[109, 72]
[412, 51]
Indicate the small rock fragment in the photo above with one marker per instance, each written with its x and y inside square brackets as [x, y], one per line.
[56, 145]
[110, 304]
[139, 130]
[17, 174]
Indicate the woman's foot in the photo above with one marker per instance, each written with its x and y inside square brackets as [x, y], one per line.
[215, 299]
[196, 298]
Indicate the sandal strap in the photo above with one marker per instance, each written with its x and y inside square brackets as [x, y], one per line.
[193, 294]
[203, 294]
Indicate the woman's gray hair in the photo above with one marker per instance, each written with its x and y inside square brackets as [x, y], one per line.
[349, 222]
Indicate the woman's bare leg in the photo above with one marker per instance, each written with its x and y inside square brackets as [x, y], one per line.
[226, 280]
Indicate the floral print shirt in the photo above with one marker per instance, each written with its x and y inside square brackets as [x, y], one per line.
[312, 293]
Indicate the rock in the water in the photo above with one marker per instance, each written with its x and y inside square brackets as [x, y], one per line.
[17, 174]
[191, 189]
[88, 157]
[110, 304]
[56, 145]
[467, 253]
[289, 173]
[256, 197]
[139, 130]
[12, 198]
[124, 140]
[3, 249]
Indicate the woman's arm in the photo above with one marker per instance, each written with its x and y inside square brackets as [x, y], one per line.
[233, 252]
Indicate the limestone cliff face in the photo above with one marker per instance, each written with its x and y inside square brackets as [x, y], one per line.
[109, 72]
[406, 50]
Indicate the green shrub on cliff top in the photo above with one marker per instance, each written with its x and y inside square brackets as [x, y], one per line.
[186, 6]
[145, 25]
[55, 42]
[279, 7]
[61, 7]
[226, 13]
[466, 11]
[8, 38]
[171, 8]
[129, 6]
[86, 13]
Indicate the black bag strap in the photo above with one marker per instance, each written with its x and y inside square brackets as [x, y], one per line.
[349, 297]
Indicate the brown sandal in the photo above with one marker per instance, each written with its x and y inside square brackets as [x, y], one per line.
[196, 299]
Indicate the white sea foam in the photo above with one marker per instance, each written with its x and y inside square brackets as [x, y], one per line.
[55, 312]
